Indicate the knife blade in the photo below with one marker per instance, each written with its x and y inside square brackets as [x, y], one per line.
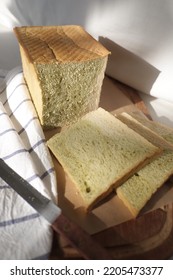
[77, 237]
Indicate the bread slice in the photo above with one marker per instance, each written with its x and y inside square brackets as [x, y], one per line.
[99, 151]
[64, 68]
[147, 132]
[161, 129]
[138, 189]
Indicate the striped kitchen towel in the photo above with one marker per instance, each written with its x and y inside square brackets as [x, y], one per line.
[23, 233]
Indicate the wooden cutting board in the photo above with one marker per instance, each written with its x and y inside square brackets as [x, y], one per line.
[149, 236]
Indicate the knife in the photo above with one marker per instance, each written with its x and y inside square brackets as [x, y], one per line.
[77, 237]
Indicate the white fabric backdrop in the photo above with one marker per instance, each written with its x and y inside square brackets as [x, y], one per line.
[139, 34]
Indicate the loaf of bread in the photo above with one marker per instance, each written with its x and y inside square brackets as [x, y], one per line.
[99, 152]
[64, 69]
[138, 190]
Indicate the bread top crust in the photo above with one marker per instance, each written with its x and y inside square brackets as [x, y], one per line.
[58, 44]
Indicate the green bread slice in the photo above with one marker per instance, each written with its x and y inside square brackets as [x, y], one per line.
[99, 152]
[139, 189]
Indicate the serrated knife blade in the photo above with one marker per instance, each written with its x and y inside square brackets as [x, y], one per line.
[77, 237]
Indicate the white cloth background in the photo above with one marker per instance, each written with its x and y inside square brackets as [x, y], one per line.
[139, 34]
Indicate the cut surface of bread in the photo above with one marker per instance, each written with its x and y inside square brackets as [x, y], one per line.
[64, 69]
[138, 189]
[99, 151]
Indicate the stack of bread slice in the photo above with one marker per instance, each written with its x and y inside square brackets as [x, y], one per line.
[100, 153]
[138, 190]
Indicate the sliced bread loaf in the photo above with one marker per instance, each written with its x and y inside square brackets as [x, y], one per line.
[64, 68]
[99, 151]
[138, 189]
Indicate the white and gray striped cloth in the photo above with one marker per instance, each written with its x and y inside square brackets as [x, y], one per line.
[23, 233]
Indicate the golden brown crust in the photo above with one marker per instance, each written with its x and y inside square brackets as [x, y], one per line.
[51, 44]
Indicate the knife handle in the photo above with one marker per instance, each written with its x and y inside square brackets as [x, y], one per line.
[79, 239]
